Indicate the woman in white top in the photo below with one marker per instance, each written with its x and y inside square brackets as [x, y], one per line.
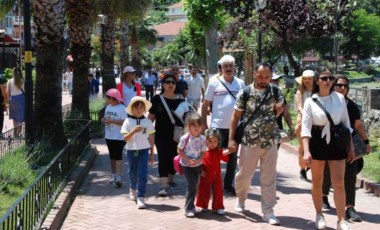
[127, 87]
[306, 82]
[319, 146]
[15, 90]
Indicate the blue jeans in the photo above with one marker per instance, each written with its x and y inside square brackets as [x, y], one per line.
[138, 170]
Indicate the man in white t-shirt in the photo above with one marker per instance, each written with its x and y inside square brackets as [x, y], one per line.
[222, 92]
[196, 88]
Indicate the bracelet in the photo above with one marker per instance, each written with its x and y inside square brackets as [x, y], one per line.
[366, 141]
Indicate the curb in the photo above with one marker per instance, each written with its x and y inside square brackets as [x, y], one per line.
[58, 212]
[361, 182]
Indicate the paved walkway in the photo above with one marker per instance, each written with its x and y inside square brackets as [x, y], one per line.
[99, 205]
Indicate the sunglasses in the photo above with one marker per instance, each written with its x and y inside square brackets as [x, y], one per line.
[170, 82]
[340, 85]
[330, 78]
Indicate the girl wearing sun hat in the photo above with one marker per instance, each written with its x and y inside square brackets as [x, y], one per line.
[114, 116]
[138, 133]
[304, 91]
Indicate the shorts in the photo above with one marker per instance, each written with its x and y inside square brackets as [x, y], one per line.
[115, 148]
[320, 150]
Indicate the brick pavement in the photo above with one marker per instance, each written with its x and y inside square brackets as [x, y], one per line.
[99, 205]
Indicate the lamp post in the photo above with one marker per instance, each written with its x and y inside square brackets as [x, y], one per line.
[336, 46]
[28, 75]
[259, 5]
[103, 21]
[2, 36]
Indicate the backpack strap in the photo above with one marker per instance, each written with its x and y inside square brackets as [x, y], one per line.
[274, 90]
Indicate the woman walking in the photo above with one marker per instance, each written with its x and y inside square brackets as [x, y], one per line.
[127, 87]
[15, 90]
[320, 147]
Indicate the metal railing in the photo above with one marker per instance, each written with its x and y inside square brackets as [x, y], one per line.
[29, 210]
[12, 139]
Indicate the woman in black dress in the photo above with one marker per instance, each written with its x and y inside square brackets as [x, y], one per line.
[163, 138]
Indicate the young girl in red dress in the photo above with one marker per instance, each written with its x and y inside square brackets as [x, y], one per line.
[211, 173]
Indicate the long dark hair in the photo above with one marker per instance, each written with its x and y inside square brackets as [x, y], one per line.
[166, 76]
[319, 72]
[341, 76]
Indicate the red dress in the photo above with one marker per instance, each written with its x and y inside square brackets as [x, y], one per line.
[211, 179]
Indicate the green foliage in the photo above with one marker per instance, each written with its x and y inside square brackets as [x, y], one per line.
[371, 6]
[97, 104]
[204, 12]
[364, 35]
[8, 73]
[372, 167]
[15, 176]
[157, 17]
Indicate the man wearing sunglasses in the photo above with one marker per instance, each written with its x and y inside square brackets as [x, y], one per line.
[222, 93]
[181, 87]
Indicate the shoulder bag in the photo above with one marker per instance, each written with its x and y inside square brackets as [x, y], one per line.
[177, 159]
[339, 133]
[241, 127]
[178, 131]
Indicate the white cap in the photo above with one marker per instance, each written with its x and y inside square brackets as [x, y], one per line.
[276, 76]
[129, 69]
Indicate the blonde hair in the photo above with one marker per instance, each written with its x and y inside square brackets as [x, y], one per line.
[17, 77]
[194, 119]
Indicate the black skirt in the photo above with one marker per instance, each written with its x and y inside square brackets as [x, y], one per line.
[320, 150]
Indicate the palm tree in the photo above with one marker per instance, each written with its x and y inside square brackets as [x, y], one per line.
[49, 26]
[80, 16]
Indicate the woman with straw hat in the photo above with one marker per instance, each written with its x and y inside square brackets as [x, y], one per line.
[304, 91]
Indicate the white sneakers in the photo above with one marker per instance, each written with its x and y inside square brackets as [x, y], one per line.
[113, 179]
[271, 219]
[220, 212]
[140, 203]
[189, 213]
[343, 225]
[320, 222]
[239, 206]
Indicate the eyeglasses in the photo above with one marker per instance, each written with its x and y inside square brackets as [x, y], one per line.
[340, 85]
[170, 82]
[330, 78]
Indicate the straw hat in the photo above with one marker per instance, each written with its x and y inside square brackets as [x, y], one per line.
[306, 73]
[136, 99]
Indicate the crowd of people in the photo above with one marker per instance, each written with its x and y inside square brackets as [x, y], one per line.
[254, 111]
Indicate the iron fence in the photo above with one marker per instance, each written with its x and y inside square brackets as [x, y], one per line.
[12, 139]
[29, 210]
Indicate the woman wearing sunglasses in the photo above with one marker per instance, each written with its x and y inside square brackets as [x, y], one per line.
[342, 86]
[166, 147]
[319, 147]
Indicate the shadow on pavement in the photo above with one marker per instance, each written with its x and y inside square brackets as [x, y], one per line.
[162, 208]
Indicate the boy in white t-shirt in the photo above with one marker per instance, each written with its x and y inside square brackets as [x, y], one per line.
[114, 116]
[138, 133]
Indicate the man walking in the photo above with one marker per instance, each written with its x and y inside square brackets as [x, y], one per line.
[222, 94]
[196, 88]
[149, 84]
[181, 87]
[260, 137]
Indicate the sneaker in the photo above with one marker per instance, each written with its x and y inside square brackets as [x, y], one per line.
[303, 175]
[230, 191]
[173, 185]
[140, 203]
[113, 179]
[118, 181]
[239, 206]
[343, 225]
[133, 194]
[163, 192]
[352, 215]
[220, 212]
[325, 202]
[189, 213]
[320, 222]
[271, 219]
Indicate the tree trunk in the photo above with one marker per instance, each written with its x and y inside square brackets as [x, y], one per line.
[211, 48]
[80, 15]
[249, 60]
[288, 51]
[124, 56]
[108, 50]
[49, 25]
[135, 49]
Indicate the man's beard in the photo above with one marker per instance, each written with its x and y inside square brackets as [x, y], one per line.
[262, 85]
